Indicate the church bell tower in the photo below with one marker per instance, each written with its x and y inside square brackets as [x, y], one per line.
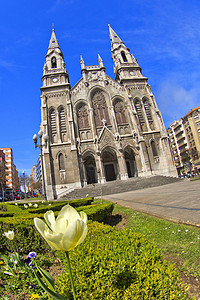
[126, 67]
[59, 152]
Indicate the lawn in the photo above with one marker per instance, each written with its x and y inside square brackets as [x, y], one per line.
[179, 243]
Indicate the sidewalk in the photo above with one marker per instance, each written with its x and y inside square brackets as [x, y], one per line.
[178, 201]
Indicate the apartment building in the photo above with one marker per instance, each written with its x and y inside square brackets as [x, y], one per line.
[191, 122]
[184, 140]
[11, 173]
[178, 144]
[2, 171]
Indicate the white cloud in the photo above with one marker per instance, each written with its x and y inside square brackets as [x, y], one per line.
[175, 100]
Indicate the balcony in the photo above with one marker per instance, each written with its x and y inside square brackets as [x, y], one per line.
[178, 131]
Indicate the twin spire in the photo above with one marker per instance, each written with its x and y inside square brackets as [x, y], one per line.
[118, 49]
[114, 37]
[53, 41]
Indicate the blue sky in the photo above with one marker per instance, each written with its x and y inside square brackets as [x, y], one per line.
[164, 36]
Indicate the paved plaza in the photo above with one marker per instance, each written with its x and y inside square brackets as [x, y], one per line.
[179, 201]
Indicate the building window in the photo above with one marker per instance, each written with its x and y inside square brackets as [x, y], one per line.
[120, 112]
[53, 62]
[153, 148]
[124, 56]
[148, 113]
[139, 113]
[82, 115]
[61, 162]
[62, 123]
[53, 125]
[100, 109]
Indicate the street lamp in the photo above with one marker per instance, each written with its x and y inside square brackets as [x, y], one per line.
[46, 138]
[23, 173]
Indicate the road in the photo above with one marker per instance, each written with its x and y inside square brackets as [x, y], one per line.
[178, 201]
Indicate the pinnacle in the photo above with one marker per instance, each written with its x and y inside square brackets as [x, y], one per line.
[114, 37]
[53, 41]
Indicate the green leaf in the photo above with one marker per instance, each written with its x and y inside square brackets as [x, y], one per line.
[46, 276]
[51, 293]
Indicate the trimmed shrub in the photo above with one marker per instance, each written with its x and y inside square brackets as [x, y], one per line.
[26, 236]
[113, 264]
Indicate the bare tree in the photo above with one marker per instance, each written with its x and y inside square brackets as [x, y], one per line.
[24, 181]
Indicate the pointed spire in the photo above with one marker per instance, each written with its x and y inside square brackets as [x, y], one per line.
[100, 61]
[82, 63]
[114, 37]
[53, 41]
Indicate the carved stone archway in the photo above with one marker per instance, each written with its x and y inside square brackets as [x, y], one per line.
[131, 166]
[110, 163]
[90, 168]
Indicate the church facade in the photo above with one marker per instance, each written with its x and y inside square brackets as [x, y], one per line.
[101, 129]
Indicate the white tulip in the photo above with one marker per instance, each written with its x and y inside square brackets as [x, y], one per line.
[9, 235]
[66, 232]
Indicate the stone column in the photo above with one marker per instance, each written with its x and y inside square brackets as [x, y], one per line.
[100, 168]
[122, 166]
[93, 128]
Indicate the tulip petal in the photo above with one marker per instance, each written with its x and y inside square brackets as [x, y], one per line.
[61, 224]
[73, 234]
[70, 213]
[40, 226]
[85, 231]
[50, 219]
[84, 217]
[9, 235]
[54, 240]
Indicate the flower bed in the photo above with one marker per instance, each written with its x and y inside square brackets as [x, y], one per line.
[113, 264]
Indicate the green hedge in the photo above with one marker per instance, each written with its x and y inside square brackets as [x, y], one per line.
[26, 236]
[113, 264]
[57, 206]
[18, 212]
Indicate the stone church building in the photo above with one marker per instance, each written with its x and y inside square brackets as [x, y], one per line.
[101, 129]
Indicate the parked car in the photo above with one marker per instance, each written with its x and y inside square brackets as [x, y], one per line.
[5, 198]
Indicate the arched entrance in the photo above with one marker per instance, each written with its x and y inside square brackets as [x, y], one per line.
[110, 164]
[131, 166]
[90, 169]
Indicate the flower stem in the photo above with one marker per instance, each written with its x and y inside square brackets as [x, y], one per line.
[70, 274]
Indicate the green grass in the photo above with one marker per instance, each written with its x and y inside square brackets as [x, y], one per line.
[195, 178]
[178, 242]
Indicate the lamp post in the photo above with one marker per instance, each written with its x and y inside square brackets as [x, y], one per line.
[35, 138]
[23, 173]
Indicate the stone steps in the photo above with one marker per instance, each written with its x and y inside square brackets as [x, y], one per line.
[119, 186]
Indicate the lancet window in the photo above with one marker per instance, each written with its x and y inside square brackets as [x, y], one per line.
[100, 109]
[52, 117]
[148, 112]
[120, 112]
[62, 122]
[61, 162]
[82, 115]
[139, 112]
[154, 149]
[124, 56]
[53, 62]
